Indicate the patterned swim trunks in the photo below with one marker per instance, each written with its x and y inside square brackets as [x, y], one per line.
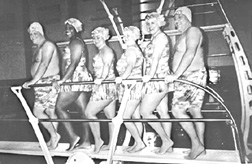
[45, 97]
[187, 96]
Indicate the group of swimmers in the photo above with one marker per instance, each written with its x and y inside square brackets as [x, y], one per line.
[145, 97]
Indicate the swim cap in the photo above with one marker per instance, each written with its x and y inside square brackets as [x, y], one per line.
[135, 32]
[103, 32]
[159, 17]
[75, 23]
[36, 27]
[185, 11]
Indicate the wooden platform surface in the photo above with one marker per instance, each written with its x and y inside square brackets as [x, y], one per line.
[146, 155]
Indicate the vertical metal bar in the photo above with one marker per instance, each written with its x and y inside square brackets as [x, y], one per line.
[34, 122]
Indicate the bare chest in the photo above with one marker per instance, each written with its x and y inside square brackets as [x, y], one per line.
[37, 56]
[180, 45]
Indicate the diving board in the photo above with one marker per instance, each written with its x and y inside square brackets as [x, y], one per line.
[213, 156]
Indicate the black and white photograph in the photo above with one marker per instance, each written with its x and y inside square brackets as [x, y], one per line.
[125, 81]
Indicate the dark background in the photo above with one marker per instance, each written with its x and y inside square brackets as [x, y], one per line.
[16, 51]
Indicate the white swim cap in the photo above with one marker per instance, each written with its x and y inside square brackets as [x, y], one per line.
[75, 23]
[36, 27]
[185, 11]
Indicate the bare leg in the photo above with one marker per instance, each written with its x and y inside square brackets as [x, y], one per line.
[139, 125]
[51, 114]
[65, 99]
[162, 110]
[130, 109]
[55, 137]
[93, 108]
[197, 147]
[82, 102]
[148, 105]
[110, 113]
[200, 126]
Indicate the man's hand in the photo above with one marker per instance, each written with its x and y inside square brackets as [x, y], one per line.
[27, 84]
[170, 78]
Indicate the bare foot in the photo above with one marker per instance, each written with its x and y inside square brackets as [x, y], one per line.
[105, 147]
[98, 146]
[188, 152]
[137, 148]
[165, 147]
[169, 150]
[54, 141]
[195, 152]
[48, 144]
[73, 143]
[129, 148]
[83, 145]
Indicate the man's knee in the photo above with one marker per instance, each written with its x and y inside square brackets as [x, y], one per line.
[195, 111]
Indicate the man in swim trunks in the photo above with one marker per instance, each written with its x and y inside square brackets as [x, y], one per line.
[188, 63]
[44, 69]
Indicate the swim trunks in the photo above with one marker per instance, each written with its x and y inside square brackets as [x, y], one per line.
[45, 97]
[187, 96]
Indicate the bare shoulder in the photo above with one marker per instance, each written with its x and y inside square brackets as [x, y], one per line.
[161, 39]
[76, 43]
[162, 36]
[48, 44]
[194, 30]
[108, 51]
[130, 52]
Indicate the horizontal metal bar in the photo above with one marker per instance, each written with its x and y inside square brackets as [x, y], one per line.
[125, 120]
[203, 111]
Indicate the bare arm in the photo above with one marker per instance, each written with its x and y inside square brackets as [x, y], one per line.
[193, 40]
[131, 60]
[76, 52]
[160, 44]
[107, 59]
[46, 56]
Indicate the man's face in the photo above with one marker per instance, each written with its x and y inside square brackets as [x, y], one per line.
[34, 36]
[180, 21]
